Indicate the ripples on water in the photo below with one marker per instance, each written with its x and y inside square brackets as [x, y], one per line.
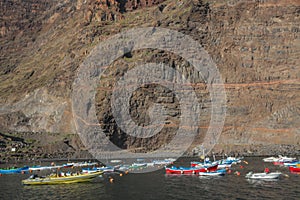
[157, 185]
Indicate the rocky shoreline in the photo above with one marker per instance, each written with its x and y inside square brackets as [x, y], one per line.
[22, 147]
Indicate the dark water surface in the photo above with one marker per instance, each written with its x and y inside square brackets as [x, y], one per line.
[157, 185]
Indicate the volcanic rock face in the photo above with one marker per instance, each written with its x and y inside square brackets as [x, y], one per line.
[255, 45]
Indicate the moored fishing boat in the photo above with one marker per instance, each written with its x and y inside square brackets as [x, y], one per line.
[138, 165]
[41, 168]
[280, 160]
[14, 171]
[55, 179]
[116, 161]
[270, 159]
[222, 164]
[163, 162]
[123, 168]
[291, 163]
[189, 170]
[215, 173]
[284, 162]
[84, 164]
[272, 175]
[233, 160]
[97, 169]
[68, 165]
[294, 169]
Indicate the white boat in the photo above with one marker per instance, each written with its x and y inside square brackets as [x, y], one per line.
[286, 159]
[40, 168]
[150, 164]
[116, 161]
[279, 159]
[211, 173]
[234, 160]
[272, 175]
[291, 163]
[223, 166]
[124, 167]
[137, 165]
[270, 159]
[97, 169]
[164, 162]
[84, 164]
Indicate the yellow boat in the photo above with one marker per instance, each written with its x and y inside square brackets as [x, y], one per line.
[55, 179]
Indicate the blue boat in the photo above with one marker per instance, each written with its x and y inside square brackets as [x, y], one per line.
[291, 163]
[14, 171]
[97, 169]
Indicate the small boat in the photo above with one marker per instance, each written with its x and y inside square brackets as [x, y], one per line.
[278, 163]
[40, 168]
[68, 165]
[116, 161]
[123, 168]
[285, 161]
[14, 171]
[233, 160]
[216, 173]
[150, 164]
[279, 160]
[189, 170]
[271, 159]
[294, 169]
[55, 179]
[138, 165]
[163, 162]
[97, 169]
[222, 164]
[272, 175]
[291, 163]
[83, 164]
[201, 164]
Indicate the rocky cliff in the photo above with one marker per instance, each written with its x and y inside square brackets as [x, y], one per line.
[255, 45]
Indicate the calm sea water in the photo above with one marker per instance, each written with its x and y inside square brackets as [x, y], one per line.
[157, 185]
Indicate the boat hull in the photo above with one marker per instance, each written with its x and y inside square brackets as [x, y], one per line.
[62, 180]
[14, 171]
[273, 175]
[190, 170]
[294, 169]
[211, 173]
[97, 169]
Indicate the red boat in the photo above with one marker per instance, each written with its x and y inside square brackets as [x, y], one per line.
[190, 170]
[294, 169]
[278, 163]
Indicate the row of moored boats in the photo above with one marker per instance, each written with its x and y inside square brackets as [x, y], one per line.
[292, 163]
[91, 170]
[221, 167]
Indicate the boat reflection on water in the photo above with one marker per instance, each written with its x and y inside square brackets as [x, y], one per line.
[263, 182]
[210, 177]
[297, 173]
[192, 175]
[180, 175]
